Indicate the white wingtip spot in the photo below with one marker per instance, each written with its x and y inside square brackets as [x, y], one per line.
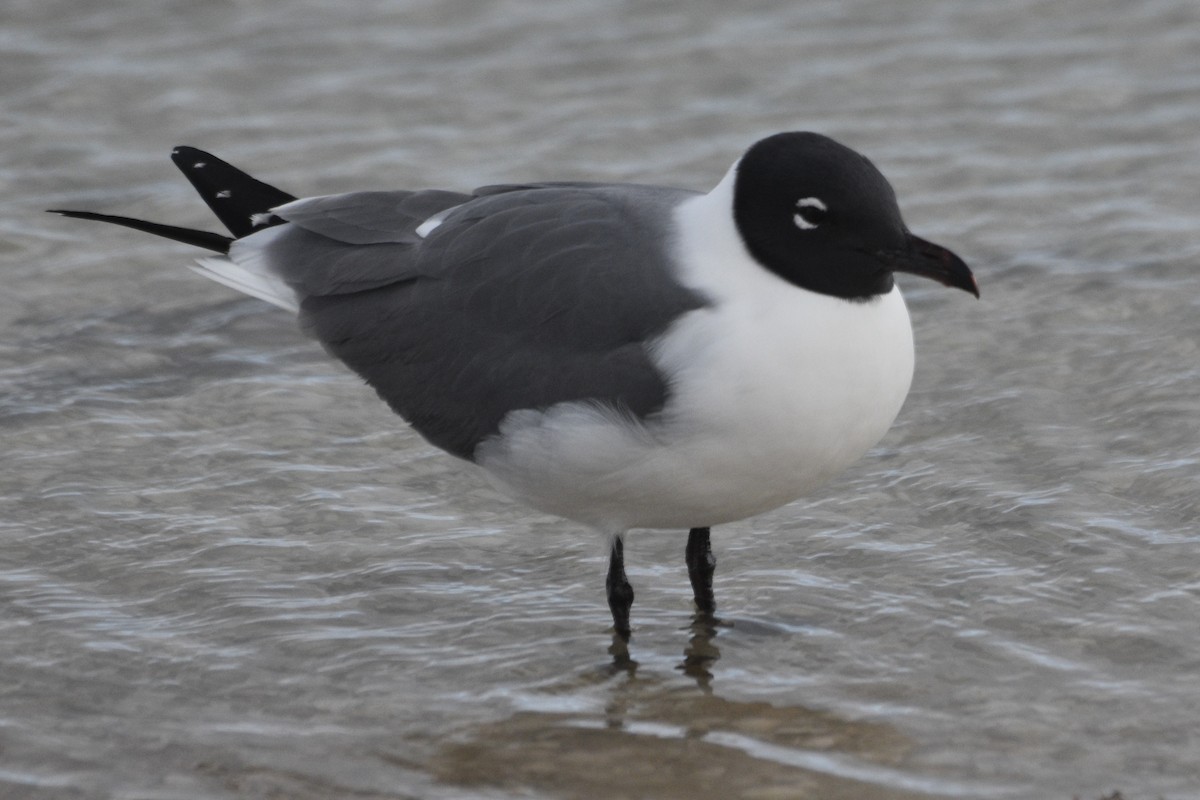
[259, 219]
[199, 165]
[224, 193]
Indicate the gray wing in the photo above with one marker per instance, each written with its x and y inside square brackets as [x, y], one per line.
[369, 217]
[347, 243]
[523, 297]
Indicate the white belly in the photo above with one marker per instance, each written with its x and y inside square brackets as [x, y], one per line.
[755, 421]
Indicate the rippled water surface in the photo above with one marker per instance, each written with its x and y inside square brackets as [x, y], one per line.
[227, 571]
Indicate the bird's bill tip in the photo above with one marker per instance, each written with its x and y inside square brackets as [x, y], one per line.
[935, 262]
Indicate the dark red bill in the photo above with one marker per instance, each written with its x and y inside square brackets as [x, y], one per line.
[932, 261]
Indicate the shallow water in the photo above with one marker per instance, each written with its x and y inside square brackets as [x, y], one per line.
[227, 571]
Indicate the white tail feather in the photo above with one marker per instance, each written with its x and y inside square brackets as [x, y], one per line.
[255, 282]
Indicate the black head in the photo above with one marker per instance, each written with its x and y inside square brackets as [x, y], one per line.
[822, 217]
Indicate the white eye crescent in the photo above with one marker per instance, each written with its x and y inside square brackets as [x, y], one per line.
[811, 212]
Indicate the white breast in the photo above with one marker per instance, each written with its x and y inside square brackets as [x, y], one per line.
[774, 390]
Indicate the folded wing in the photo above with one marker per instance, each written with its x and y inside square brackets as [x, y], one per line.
[523, 297]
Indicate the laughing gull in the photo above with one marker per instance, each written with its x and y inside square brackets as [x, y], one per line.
[624, 356]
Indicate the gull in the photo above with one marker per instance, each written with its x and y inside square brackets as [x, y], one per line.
[621, 355]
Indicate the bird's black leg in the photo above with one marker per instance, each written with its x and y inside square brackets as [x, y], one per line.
[620, 593]
[701, 564]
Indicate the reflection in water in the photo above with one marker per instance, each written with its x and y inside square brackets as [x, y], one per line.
[655, 736]
[622, 662]
[701, 653]
[698, 657]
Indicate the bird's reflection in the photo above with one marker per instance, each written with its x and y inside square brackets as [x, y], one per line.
[622, 662]
[699, 655]
[658, 735]
[701, 651]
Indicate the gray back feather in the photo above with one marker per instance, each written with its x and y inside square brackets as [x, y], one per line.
[523, 297]
[369, 217]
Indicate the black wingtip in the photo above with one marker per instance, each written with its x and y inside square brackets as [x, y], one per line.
[241, 202]
[190, 158]
[209, 241]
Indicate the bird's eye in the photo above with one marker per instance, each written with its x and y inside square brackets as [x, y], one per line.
[809, 213]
